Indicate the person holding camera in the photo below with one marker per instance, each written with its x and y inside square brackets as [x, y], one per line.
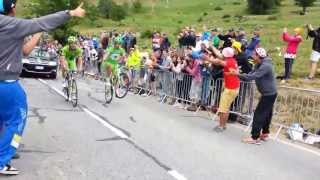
[293, 42]
[315, 55]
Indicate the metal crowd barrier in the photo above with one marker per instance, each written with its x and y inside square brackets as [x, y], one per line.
[164, 84]
[293, 105]
[297, 105]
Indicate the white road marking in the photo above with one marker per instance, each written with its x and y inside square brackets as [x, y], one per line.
[53, 88]
[175, 174]
[106, 124]
[317, 153]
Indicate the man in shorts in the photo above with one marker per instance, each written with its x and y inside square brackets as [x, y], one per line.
[315, 55]
[231, 85]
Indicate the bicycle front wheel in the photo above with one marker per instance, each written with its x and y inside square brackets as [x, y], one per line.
[108, 91]
[122, 87]
[74, 93]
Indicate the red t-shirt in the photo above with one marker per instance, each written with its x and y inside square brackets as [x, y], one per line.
[230, 81]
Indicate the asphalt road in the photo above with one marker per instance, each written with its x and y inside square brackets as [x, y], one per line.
[137, 138]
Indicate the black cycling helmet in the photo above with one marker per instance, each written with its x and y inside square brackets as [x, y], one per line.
[6, 6]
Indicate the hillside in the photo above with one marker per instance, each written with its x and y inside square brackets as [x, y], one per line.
[179, 13]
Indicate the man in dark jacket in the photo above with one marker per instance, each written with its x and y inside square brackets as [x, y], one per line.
[165, 44]
[263, 75]
[315, 55]
[227, 38]
[13, 101]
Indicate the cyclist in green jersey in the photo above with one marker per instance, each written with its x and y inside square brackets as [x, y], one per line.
[71, 57]
[114, 56]
[70, 54]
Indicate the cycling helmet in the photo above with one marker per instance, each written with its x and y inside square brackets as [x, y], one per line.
[118, 40]
[7, 5]
[71, 39]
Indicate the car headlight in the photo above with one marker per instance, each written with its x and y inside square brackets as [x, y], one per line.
[25, 61]
[52, 63]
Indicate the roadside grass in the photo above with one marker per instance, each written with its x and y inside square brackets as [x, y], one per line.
[170, 18]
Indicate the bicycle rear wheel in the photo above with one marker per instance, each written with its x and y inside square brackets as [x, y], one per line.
[122, 86]
[74, 93]
[108, 91]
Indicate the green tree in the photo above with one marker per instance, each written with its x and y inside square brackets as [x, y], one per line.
[118, 13]
[137, 6]
[262, 6]
[304, 4]
[105, 7]
[44, 7]
[111, 10]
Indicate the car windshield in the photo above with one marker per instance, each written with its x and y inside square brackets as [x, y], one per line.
[44, 55]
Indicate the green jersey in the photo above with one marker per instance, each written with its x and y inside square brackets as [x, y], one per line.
[115, 53]
[71, 55]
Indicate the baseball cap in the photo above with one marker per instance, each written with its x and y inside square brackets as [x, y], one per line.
[228, 52]
[261, 52]
[237, 45]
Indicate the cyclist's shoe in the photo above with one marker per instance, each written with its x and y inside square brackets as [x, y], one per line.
[64, 85]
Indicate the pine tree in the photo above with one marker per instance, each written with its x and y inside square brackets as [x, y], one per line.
[262, 6]
[304, 4]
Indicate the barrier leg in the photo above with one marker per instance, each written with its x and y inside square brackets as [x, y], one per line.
[249, 126]
[278, 132]
[163, 99]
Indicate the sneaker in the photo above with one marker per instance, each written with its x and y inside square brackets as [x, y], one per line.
[8, 170]
[249, 140]
[264, 137]
[219, 129]
[308, 78]
[283, 81]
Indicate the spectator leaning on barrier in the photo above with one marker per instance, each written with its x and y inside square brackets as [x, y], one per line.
[244, 67]
[291, 51]
[214, 38]
[231, 83]
[263, 74]
[243, 62]
[227, 38]
[241, 37]
[315, 55]
[176, 67]
[193, 69]
[165, 44]
[156, 41]
[13, 106]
